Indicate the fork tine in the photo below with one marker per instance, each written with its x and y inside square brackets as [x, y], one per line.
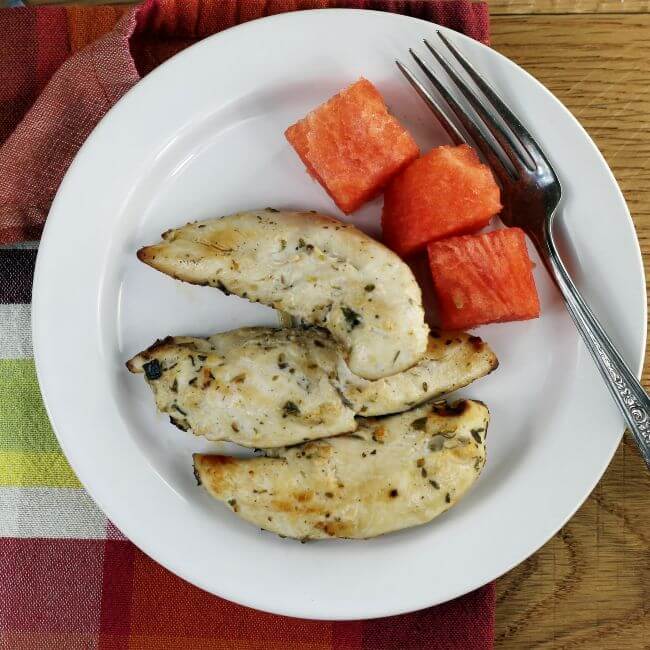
[522, 134]
[447, 124]
[474, 130]
[500, 134]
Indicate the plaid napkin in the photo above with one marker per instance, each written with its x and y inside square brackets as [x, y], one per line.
[68, 577]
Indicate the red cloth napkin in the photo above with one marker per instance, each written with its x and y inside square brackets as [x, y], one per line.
[61, 68]
[50, 101]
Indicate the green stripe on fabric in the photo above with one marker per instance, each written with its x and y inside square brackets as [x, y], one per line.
[28, 469]
[24, 425]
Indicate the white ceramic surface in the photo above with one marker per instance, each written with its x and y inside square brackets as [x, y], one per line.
[202, 136]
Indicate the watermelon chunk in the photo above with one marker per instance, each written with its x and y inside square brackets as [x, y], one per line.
[352, 145]
[483, 278]
[446, 192]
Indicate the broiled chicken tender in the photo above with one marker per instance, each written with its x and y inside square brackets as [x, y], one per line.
[256, 386]
[452, 360]
[264, 387]
[392, 473]
[321, 271]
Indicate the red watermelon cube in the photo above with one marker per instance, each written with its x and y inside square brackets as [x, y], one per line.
[352, 145]
[448, 191]
[483, 278]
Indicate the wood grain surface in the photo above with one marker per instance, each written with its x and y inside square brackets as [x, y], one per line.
[589, 587]
[509, 7]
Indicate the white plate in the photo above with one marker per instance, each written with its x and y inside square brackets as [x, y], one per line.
[202, 136]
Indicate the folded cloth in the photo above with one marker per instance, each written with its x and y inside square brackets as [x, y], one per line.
[43, 123]
[68, 578]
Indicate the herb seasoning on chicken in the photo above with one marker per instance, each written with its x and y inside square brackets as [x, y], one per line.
[319, 270]
[386, 476]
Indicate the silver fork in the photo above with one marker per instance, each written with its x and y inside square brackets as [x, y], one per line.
[531, 194]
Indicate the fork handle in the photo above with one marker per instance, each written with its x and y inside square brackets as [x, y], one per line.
[625, 388]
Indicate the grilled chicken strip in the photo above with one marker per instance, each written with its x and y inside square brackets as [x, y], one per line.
[256, 386]
[264, 387]
[321, 271]
[452, 360]
[392, 473]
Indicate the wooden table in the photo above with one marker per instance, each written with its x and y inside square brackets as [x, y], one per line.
[589, 587]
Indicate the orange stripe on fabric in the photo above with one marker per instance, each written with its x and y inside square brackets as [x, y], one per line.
[166, 606]
[87, 24]
[188, 18]
[198, 18]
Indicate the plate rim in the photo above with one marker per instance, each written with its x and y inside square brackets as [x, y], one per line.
[39, 345]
